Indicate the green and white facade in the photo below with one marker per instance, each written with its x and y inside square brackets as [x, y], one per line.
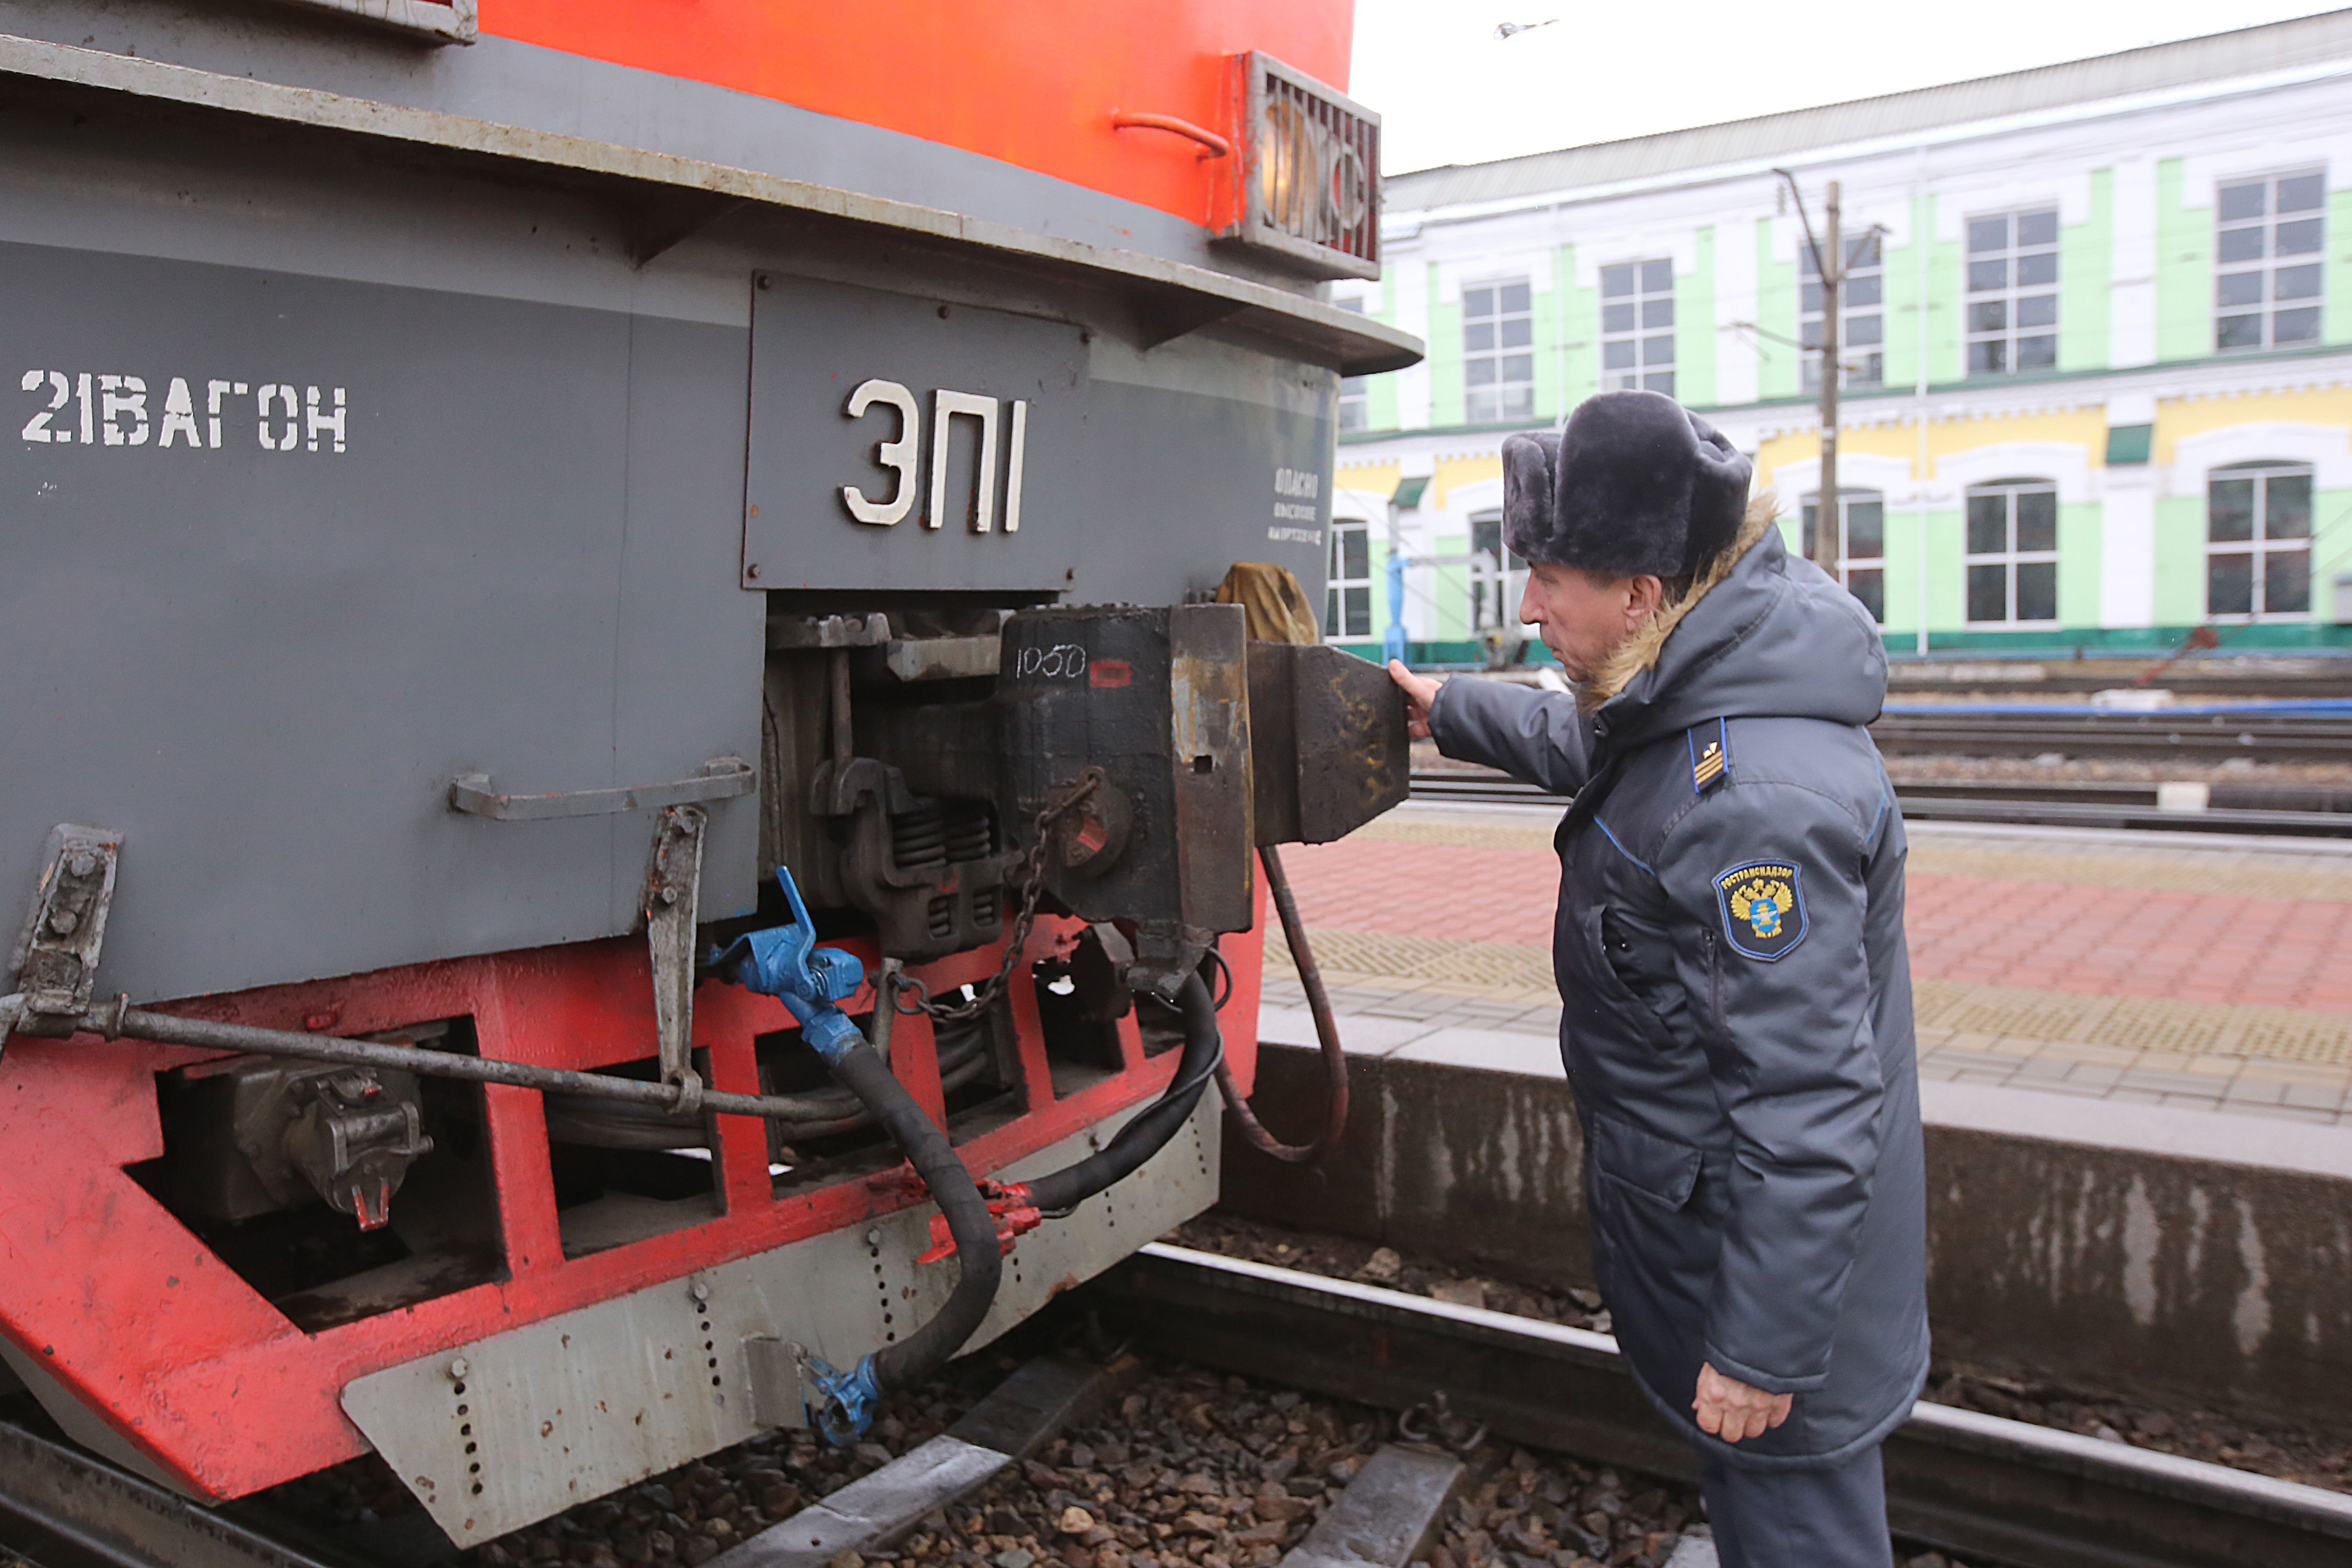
[2098, 347]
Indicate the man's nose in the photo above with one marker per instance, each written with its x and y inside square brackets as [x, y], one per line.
[1527, 606]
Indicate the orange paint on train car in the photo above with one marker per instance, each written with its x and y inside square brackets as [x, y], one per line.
[1033, 84]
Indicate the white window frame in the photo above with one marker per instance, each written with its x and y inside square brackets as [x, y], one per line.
[1648, 329]
[2259, 547]
[1847, 565]
[1337, 585]
[2009, 558]
[1355, 410]
[1500, 572]
[2263, 274]
[1508, 399]
[2010, 296]
[1867, 316]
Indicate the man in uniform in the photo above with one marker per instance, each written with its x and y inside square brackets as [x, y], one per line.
[1736, 994]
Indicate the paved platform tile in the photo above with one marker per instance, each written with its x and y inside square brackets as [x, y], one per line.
[2262, 928]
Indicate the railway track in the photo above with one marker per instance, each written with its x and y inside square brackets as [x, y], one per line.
[1958, 1481]
[2317, 813]
[1990, 1491]
[2183, 737]
[61, 1507]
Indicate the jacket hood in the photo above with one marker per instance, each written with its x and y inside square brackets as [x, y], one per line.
[1774, 636]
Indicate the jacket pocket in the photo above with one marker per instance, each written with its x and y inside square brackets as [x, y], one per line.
[1611, 987]
[1658, 1169]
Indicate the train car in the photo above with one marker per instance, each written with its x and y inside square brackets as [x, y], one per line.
[634, 797]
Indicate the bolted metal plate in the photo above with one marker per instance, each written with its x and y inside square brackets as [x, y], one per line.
[499, 1434]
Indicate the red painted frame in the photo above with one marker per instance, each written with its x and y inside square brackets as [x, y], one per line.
[131, 1312]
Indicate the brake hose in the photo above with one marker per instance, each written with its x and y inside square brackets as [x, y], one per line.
[1326, 1033]
[1149, 1132]
[785, 963]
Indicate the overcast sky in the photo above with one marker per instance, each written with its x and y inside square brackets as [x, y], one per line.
[1449, 91]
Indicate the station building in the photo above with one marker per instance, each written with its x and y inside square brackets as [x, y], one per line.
[2097, 349]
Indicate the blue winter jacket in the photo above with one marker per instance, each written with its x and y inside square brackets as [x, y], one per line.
[1736, 1004]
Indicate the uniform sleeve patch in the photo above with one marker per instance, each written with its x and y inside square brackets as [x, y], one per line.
[1763, 907]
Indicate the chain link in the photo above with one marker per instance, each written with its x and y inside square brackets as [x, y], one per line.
[1032, 887]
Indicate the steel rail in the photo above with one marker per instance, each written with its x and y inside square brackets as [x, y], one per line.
[2122, 805]
[2183, 736]
[1958, 1481]
[62, 1507]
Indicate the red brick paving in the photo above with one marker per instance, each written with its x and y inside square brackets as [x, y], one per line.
[2099, 941]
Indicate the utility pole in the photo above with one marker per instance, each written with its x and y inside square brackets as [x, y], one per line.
[1829, 267]
[1828, 533]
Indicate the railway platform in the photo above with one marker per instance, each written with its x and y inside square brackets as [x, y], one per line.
[2194, 972]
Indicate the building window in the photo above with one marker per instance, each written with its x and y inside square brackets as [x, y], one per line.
[1498, 361]
[1497, 577]
[1347, 598]
[1862, 328]
[2258, 534]
[2014, 293]
[1861, 545]
[2267, 277]
[2013, 552]
[1355, 396]
[1637, 327]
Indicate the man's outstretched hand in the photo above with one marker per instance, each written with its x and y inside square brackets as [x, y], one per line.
[1419, 691]
[1731, 1410]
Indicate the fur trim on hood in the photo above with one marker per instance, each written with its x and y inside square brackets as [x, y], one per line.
[1639, 651]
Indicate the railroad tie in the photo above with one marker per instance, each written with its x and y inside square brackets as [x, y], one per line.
[1386, 1515]
[876, 1511]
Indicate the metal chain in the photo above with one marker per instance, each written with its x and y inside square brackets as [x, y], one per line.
[1032, 887]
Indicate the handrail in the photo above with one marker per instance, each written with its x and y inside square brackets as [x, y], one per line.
[1212, 145]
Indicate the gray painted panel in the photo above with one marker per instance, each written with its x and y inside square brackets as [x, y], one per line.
[1131, 492]
[264, 666]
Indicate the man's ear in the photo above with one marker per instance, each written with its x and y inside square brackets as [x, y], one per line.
[1643, 594]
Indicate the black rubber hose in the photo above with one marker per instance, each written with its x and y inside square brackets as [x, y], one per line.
[979, 1261]
[1148, 1133]
[1326, 1030]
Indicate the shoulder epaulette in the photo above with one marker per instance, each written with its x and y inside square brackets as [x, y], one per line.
[1710, 754]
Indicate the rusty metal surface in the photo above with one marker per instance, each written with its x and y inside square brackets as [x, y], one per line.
[1210, 724]
[55, 965]
[1156, 701]
[1329, 738]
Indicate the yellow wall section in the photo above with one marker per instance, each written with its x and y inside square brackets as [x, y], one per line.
[2084, 427]
[1453, 471]
[2194, 416]
[2087, 428]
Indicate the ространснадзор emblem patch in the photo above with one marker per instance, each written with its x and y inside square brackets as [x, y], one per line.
[1763, 912]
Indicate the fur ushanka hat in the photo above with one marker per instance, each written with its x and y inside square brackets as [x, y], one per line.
[1635, 484]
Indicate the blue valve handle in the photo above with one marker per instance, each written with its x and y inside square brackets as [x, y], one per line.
[784, 962]
[851, 1399]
